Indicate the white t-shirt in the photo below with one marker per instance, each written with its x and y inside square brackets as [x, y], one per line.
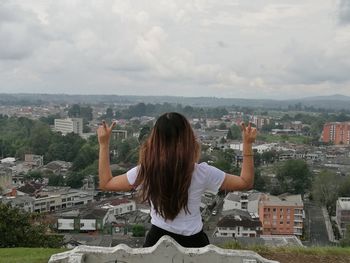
[204, 177]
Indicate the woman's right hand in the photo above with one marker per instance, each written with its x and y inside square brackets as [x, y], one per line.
[104, 133]
[248, 133]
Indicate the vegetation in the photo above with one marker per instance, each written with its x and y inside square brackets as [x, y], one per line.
[294, 177]
[327, 187]
[138, 231]
[22, 229]
[28, 255]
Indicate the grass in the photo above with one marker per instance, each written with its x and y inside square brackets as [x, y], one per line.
[27, 255]
[296, 139]
[336, 251]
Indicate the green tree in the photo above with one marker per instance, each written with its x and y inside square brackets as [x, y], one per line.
[294, 177]
[34, 175]
[222, 126]
[138, 231]
[229, 135]
[19, 229]
[345, 241]
[325, 189]
[75, 180]
[86, 156]
[259, 181]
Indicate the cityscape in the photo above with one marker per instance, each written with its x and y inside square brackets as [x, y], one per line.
[302, 163]
[262, 88]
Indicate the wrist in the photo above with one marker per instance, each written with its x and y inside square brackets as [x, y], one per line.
[247, 149]
[104, 146]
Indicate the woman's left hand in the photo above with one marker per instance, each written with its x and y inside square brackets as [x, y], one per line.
[104, 133]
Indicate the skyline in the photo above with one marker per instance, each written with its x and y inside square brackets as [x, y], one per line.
[277, 50]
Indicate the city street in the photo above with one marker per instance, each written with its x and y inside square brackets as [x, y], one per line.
[315, 225]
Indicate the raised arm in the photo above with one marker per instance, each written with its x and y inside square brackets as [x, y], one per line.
[107, 181]
[246, 180]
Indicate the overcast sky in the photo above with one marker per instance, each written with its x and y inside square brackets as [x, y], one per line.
[227, 48]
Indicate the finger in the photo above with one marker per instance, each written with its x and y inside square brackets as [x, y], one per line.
[242, 126]
[249, 126]
[113, 124]
[104, 124]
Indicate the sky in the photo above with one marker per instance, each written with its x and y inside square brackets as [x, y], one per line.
[228, 48]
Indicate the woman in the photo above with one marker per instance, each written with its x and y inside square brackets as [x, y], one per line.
[170, 179]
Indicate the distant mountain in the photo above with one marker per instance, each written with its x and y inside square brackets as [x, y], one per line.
[333, 102]
[328, 98]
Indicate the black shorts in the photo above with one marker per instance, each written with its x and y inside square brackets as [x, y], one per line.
[197, 240]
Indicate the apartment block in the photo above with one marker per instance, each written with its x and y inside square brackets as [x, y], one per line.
[281, 215]
[343, 213]
[336, 132]
[69, 125]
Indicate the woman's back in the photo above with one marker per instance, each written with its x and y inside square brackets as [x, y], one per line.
[204, 177]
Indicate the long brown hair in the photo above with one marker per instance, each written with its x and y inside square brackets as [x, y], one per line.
[167, 160]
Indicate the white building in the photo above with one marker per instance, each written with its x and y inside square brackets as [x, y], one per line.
[239, 224]
[69, 125]
[95, 219]
[247, 201]
[343, 213]
[61, 199]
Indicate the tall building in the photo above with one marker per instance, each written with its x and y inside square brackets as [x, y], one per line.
[336, 132]
[69, 125]
[343, 213]
[281, 215]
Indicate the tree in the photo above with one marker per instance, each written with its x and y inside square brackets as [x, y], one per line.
[86, 156]
[144, 132]
[19, 229]
[138, 231]
[74, 111]
[345, 241]
[229, 135]
[294, 177]
[222, 126]
[236, 132]
[34, 175]
[325, 189]
[259, 181]
[75, 180]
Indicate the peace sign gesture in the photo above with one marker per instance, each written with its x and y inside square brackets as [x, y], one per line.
[104, 132]
[248, 133]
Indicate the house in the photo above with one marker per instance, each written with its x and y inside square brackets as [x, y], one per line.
[248, 201]
[343, 213]
[239, 223]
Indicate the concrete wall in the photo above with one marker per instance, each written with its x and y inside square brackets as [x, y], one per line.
[166, 250]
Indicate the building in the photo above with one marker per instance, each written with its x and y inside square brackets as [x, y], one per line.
[239, 223]
[336, 132]
[343, 213]
[281, 215]
[5, 178]
[260, 121]
[25, 203]
[57, 198]
[94, 219]
[69, 125]
[247, 201]
[119, 134]
[34, 160]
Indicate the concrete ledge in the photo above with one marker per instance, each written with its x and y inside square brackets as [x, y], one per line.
[166, 250]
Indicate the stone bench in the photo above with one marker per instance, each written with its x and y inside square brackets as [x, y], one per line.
[166, 250]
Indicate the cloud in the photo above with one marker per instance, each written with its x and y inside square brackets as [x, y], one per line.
[344, 12]
[188, 48]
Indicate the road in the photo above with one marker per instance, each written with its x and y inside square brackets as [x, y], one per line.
[210, 224]
[315, 225]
